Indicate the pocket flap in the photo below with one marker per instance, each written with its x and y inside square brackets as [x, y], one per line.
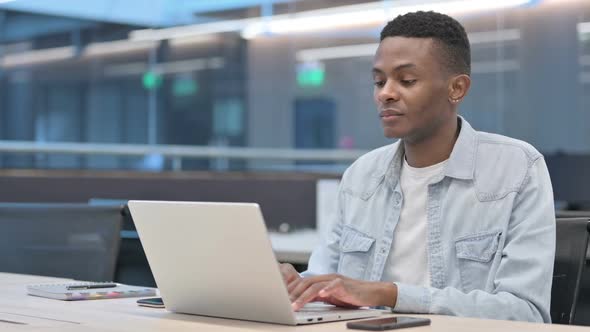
[364, 188]
[355, 241]
[480, 247]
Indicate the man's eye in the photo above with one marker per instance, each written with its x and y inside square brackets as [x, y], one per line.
[408, 82]
[379, 84]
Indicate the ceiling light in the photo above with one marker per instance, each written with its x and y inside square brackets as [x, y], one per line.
[192, 40]
[367, 14]
[497, 66]
[35, 57]
[373, 13]
[337, 52]
[190, 30]
[119, 46]
[164, 68]
[368, 50]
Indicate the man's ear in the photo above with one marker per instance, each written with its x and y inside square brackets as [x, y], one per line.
[458, 87]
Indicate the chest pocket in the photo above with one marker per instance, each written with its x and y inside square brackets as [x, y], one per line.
[475, 255]
[355, 252]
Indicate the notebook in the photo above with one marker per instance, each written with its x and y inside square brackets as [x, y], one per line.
[83, 290]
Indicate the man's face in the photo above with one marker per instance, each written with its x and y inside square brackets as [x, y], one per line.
[411, 88]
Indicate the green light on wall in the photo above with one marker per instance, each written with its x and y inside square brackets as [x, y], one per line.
[311, 78]
[151, 80]
[311, 74]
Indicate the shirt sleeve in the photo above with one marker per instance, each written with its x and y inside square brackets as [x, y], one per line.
[522, 286]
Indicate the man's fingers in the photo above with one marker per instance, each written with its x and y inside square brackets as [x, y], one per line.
[332, 288]
[293, 284]
[305, 283]
[290, 275]
[288, 272]
[340, 293]
[299, 287]
[307, 296]
[290, 278]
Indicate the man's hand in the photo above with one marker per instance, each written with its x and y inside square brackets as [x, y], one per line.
[341, 291]
[289, 273]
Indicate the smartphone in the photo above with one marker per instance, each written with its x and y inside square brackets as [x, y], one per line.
[389, 323]
[152, 302]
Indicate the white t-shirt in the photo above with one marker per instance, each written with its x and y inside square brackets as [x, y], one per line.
[408, 258]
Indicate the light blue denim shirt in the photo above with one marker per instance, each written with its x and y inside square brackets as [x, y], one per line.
[491, 229]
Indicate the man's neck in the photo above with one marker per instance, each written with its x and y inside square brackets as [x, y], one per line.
[434, 149]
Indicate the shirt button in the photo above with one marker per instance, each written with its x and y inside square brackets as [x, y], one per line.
[397, 197]
[383, 250]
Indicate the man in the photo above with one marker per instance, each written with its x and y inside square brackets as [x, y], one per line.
[447, 220]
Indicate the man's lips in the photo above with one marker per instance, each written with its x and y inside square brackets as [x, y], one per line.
[390, 114]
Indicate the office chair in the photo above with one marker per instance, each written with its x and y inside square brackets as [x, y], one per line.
[570, 260]
[132, 266]
[61, 240]
[583, 303]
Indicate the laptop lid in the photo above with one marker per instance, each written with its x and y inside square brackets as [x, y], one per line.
[213, 259]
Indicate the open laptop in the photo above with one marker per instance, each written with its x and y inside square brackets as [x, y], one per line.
[215, 259]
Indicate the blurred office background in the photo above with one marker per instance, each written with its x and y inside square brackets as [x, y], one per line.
[262, 85]
[269, 85]
[284, 74]
[102, 101]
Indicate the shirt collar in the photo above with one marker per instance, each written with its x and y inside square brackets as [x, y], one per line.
[462, 160]
[461, 164]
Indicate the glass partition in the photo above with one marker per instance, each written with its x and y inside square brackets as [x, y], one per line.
[281, 75]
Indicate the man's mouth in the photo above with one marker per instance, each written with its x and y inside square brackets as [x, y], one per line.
[390, 114]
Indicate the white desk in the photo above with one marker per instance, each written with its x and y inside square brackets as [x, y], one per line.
[116, 315]
[294, 247]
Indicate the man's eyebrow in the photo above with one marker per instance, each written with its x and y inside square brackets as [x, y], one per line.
[397, 68]
[404, 66]
[377, 71]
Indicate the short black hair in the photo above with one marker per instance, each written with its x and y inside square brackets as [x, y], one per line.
[445, 30]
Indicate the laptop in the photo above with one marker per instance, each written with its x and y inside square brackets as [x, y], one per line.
[216, 259]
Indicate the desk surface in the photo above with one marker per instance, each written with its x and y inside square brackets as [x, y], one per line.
[294, 247]
[115, 315]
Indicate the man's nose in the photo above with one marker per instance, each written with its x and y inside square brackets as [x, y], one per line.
[389, 93]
